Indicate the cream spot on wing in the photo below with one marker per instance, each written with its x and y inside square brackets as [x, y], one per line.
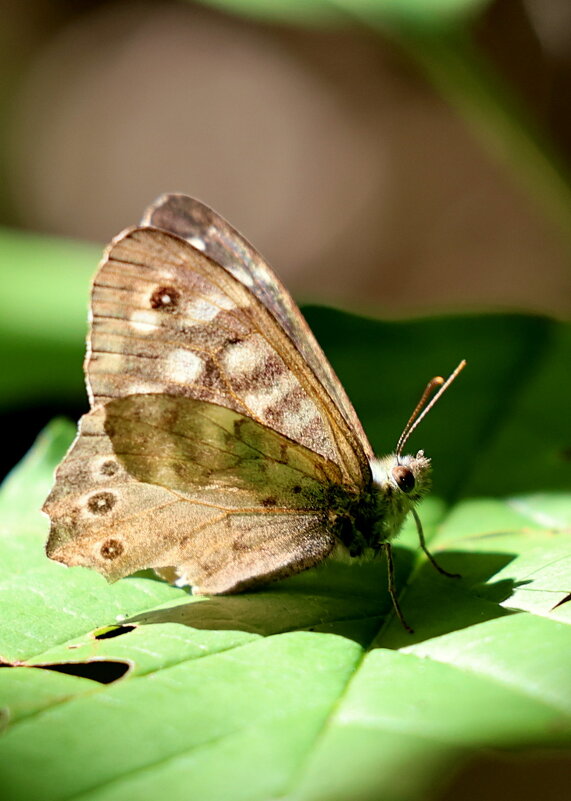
[183, 366]
[243, 276]
[145, 321]
[197, 243]
[262, 400]
[202, 310]
[144, 388]
[221, 300]
[295, 420]
[242, 357]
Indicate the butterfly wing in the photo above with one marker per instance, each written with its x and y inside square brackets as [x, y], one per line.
[167, 319]
[211, 447]
[160, 481]
[210, 233]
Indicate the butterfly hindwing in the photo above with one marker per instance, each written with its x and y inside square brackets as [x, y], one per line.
[215, 455]
[159, 481]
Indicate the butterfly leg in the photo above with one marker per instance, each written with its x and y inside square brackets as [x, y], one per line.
[392, 589]
[431, 558]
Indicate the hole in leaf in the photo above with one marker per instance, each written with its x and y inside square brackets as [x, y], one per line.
[109, 632]
[104, 671]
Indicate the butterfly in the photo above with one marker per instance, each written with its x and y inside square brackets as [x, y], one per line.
[220, 448]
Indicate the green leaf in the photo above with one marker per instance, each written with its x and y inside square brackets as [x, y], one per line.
[431, 13]
[310, 689]
[43, 316]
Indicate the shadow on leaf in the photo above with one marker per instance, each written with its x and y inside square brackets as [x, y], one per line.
[352, 601]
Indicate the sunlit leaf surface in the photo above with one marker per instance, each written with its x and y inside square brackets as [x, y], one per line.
[310, 689]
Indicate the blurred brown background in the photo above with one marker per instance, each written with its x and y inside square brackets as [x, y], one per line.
[327, 148]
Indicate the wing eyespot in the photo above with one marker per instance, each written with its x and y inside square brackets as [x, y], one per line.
[101, 503]
[109, 468]
[165, 298]
[111, 549]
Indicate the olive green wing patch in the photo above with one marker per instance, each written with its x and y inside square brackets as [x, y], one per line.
[215, 454]
[173, 482]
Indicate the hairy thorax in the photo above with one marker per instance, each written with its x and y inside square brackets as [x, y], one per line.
[362, 522]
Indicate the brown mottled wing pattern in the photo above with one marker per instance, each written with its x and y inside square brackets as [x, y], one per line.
[167, 319]
[215, 438]
[160, 481]
[213, 235]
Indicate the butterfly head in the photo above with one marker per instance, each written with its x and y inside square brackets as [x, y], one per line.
[400, 480]
[405, 477]
[410, 475]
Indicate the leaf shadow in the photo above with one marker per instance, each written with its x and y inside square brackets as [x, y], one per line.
[437, 605]
[351, 600]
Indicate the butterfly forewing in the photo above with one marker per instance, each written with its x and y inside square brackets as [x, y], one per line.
[212, 234]
[167, 319]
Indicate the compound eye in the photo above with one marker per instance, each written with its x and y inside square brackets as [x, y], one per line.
[404, 477]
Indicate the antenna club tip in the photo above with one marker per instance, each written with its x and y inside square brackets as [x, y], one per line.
[423, 407]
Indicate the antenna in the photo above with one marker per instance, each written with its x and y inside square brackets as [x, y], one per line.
[421, 409]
